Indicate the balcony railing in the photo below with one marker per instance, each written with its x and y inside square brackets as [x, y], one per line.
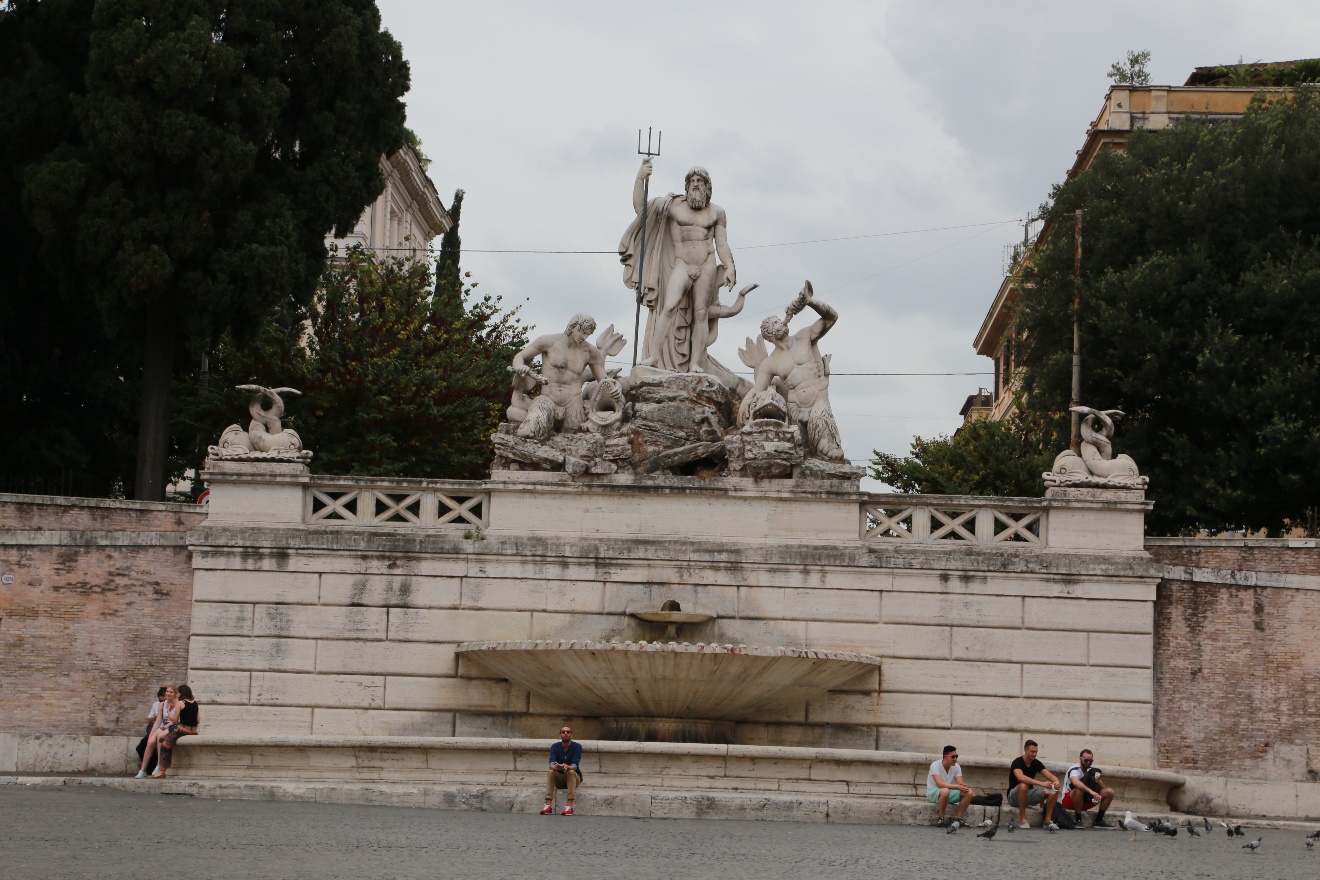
[396, 505]
[932, 520]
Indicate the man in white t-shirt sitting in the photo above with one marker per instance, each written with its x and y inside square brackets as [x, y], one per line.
[945, 786]
[1083, 789]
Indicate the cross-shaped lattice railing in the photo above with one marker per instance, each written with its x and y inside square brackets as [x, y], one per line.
[396, 506]
[886, 518]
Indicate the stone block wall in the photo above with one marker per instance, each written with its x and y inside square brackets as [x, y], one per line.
[1237, 677]
[97, 615]
[352, 630]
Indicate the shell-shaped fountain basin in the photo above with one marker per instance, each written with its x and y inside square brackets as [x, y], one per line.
[668, 679]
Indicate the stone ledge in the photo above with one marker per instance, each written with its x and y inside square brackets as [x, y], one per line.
[630, 803]
[877, 554]
[1236, 577]
[86, 538]
[609, 766]
[113, 503]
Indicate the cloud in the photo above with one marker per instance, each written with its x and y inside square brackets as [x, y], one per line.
[837, 119]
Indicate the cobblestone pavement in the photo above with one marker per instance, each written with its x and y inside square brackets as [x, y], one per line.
[65, 833]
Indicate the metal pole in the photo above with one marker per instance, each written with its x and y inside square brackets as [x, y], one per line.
[1074, 442]
[641, 254]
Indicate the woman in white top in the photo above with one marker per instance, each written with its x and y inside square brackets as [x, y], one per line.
[165, 713]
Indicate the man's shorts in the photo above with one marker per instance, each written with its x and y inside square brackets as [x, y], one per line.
[1035, 796]
[933, 795]
[1087, 803]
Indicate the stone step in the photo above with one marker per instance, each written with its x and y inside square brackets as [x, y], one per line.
[630, 803]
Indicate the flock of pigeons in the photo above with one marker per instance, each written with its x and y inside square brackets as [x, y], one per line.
[1160, 826]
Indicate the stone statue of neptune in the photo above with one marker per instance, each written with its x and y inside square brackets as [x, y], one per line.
[684, 236]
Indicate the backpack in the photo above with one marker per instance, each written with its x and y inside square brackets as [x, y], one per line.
[1063, 818]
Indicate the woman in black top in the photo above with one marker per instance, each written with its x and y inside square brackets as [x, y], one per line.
[183, 723]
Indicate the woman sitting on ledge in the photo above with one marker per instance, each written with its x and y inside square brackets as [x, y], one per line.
[160, 723]
[183, 719]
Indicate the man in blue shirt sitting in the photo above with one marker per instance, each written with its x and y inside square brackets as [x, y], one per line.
[564, 771]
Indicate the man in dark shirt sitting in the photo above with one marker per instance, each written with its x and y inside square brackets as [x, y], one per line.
[1025, 790]
[564, 771]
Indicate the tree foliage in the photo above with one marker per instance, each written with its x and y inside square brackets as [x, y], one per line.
[983, 457]
[392, 382]
[1201, 270]
[1132, 70]
[174, 165]
[1260, 75]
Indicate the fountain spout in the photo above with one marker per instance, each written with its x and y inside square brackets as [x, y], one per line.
[673, 616]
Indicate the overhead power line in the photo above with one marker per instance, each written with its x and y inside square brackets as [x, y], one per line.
[749, 247]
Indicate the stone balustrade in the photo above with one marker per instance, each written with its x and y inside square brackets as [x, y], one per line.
[926, 519]
[421, 503]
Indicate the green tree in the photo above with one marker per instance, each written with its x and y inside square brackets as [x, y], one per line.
[1131, 71]
[177, 163]
[1200, 274]
[983, 457]
[448, 272]
[392, 383]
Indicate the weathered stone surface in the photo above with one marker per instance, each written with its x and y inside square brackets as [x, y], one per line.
[681, 456]
[526, 451]
[657, 386]
[764, 452]
[819, 469]
[583, 445]
[646, 438]
[617, 448]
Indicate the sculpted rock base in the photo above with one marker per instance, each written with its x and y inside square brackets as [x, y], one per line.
[676, 424]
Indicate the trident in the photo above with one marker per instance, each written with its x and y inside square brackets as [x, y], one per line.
[641, 256]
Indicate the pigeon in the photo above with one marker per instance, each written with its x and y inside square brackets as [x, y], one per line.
[1131, 824]
[1191, 830]
[1051, 828]
[1238, 832]
[1229, 832]
[1012, 825]
[989, 833]
[953, 826]
[1171, 832]
[1254, 845]
[1207, 824]
[1310, 843]
[1314, 835]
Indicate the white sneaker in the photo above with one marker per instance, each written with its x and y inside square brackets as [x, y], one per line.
[142, 774]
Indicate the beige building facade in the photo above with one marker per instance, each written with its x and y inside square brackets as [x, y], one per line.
[405, 217]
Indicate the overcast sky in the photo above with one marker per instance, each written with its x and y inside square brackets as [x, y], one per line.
[816, 121]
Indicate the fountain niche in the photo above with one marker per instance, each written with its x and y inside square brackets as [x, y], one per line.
[669, 691]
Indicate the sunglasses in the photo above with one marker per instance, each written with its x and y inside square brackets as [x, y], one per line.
[1088, 760]
[954, 756]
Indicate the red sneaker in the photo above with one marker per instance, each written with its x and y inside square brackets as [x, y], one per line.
[547, 810]
[568, 810]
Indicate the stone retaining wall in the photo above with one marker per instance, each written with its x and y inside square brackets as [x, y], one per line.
[97, 614]
[306, 626]
[1237, 677]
